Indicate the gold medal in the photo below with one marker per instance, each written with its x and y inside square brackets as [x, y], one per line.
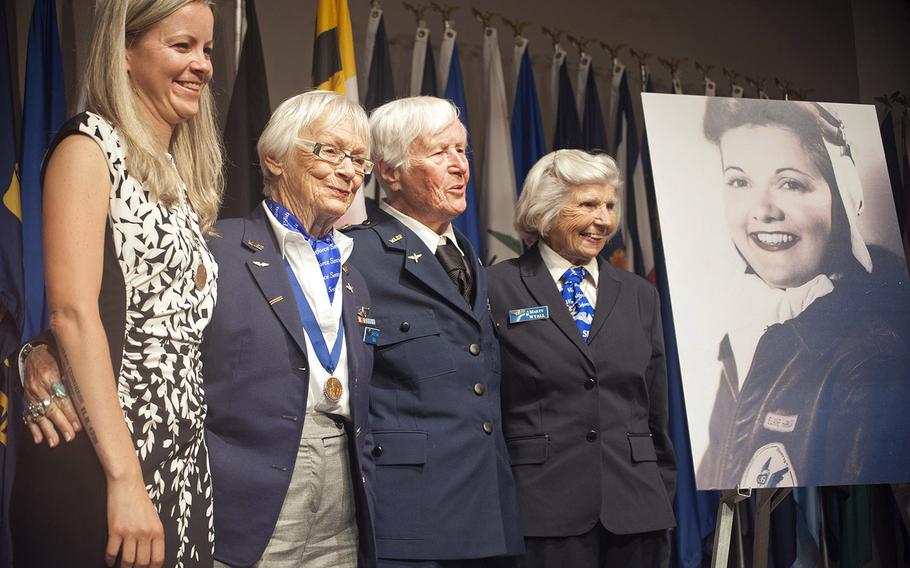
[201, 276]
[333, 389]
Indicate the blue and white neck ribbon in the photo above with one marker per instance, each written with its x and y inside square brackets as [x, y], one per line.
[579, 306]
[327, 254]
[328, 360]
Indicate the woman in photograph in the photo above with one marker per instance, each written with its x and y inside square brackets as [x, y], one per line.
[813, 387]
[130, 187]
[584, 381]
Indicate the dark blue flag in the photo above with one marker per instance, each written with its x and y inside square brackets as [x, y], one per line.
[593, 132]
[11, 292]
[248, 114]
[469, 221]
[380, 82]
[568, 128]
[889, 142]
[528, 144]
[43, 112]
[428, 85]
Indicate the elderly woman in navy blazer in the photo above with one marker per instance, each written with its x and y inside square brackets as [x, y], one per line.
[584, 388]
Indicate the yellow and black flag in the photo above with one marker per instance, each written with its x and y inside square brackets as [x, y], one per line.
[333, 52]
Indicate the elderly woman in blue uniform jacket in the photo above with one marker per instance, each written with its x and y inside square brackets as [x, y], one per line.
[584, 388]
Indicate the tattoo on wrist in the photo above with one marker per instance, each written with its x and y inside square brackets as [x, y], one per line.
[73, 387]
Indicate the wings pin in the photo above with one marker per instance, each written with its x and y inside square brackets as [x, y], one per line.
[260, 264]
[416, 256]
[349, 287]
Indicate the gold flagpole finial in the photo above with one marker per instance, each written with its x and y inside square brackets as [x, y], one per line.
[516, 26]
[580, 43]
[554, 35]
[483, 17]
[418, 12]
[703, 69]
[445, 10]
[673, 63]
[612, 48]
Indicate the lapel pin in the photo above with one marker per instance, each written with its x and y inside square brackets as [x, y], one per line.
[345, 269]
[260, 264]
[349, 287]
[254, 245]
[275, 300]
[395, 239]
[416, 257]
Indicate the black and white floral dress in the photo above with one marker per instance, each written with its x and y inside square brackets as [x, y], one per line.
[158, 292]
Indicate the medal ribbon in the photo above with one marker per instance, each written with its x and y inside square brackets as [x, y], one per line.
[328, 360]
[327, 254]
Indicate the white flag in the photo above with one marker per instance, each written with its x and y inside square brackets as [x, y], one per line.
[584, 67]
[498, 187]
[559, 57]
[445, 58]
[418, 59]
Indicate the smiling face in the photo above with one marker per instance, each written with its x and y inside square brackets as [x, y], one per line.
[431, 186]
[315, 191]
[169, 66]
[585, 222]
[777, 204]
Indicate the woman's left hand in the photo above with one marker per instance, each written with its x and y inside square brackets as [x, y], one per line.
[44, 386]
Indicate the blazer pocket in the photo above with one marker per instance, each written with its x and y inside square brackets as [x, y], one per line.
[642, 446]
[411, 344]
[529, 450]
[400, 447]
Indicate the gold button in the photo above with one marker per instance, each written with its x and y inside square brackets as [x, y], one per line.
[474, 349]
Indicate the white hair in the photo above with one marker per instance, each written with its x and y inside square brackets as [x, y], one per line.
[314, 111]
[550, 182]
[397, 124]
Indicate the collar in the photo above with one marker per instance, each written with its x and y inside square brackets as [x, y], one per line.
[429, 237]
[557, 265]
[284, 235]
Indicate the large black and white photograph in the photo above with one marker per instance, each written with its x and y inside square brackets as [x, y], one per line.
[789, 290]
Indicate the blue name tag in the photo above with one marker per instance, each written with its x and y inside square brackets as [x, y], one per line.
[529, 314]
[371, 335]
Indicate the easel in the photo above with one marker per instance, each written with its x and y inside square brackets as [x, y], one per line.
[726, 532]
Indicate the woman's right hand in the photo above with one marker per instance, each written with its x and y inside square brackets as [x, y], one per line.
[134, 528]
[41, 374]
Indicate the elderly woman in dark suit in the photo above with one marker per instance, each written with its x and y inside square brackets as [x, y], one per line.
[584, 389]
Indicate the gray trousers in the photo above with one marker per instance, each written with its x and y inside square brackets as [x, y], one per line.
[317, 526]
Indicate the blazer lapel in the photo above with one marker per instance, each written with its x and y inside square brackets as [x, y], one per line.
[479, 274]
[419, 262]
[540, 284]
[268, 270]
[608, 288]
[352, 338]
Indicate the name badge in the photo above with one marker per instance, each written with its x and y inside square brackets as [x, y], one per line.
[371, 335]
[522, 315]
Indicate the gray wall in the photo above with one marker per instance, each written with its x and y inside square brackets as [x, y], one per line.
[835, 50]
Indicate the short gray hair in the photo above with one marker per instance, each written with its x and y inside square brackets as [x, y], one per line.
[397, 124]
[550, 182]
[313, 110]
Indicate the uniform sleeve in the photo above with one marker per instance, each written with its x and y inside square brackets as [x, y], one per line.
[658, 418]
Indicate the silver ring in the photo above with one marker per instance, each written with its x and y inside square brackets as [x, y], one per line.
[37, 410]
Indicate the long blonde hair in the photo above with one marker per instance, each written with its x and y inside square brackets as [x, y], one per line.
[196, 143]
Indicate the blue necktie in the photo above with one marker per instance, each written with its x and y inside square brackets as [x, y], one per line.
[327, 253]
[579, 306]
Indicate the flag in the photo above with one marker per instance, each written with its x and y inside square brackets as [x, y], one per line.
[567, 132]
[333, 53]
[248, 114]
[43, 113]
[11, 291]
[620, 251]
[893, 161]
[498, 185]
[642, 206]
[528, 143]
[380, 82]
[334, 70]
[468, 222]
[593, 132]
[423, 66]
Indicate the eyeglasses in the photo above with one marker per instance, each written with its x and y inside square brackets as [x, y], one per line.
[335, 156]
